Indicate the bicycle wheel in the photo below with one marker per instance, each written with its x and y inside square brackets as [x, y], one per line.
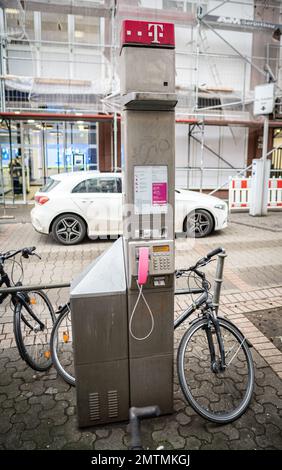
[222, 396]
[61, 346]
[33, 321]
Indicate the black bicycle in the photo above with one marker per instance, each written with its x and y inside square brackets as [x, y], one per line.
[214, 362]
[33, 314]
[61, 344]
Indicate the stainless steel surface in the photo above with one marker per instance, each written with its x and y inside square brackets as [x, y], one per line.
[148, 124]
[148, 139]
[100, 338]
[147, 69]
[149, 101]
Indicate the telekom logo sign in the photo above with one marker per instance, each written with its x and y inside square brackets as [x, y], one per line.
[158, 29]
[147, 34]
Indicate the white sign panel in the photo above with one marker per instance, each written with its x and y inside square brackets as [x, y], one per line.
[264, 99]
[150, 189]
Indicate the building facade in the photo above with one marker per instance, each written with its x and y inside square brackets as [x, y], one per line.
[59, 87]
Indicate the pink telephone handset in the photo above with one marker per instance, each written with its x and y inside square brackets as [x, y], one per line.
[143, 265]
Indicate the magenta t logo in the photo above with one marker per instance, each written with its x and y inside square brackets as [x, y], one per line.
[158, 31]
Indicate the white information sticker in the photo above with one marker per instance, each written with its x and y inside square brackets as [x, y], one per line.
[150, 189]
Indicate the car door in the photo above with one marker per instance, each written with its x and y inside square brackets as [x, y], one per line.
[100, 200]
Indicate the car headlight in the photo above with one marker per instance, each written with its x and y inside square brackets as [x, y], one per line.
[220, 206]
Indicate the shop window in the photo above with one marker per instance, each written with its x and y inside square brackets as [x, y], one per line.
[19, 24]
[54, 27]
[87, 30]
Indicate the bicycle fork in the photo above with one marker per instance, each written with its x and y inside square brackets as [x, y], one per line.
[216, 365]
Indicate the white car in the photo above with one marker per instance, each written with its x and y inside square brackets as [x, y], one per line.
[73, 204]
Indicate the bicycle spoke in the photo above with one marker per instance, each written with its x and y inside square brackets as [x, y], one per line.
[33, 331]
[213, 391]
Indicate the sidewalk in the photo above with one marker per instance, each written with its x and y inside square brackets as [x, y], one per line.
[38, 411]
[272, 221]
[17, 214]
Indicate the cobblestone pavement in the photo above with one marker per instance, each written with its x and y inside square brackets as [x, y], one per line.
[38, 410]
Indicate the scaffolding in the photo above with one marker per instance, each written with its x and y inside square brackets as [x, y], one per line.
[66, 71]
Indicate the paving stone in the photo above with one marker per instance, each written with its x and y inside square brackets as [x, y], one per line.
[196, 428]
[39, 410]
[219, 442]
[5, 424]
[102, 432]
[41, 437]
[229, 430]
[271, 438]
[22, 406]
[169, 434]
[58, 411]
[183, 419]
[69, 430]
[12, 438]
[192, 443]
[28, 445]
[113, 442]
[70, 410]
[7, 404]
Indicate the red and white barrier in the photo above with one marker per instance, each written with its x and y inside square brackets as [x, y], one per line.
[240, 193]
[275, 193]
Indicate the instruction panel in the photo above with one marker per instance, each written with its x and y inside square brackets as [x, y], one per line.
[150, 189]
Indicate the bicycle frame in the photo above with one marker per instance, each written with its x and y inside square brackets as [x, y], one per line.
[17, 296]
[190, 310]
[203, 299]
[4, 280]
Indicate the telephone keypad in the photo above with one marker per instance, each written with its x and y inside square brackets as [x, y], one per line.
[161, 263]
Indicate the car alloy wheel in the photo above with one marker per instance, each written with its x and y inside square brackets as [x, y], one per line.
[199, 223]
[69, 229]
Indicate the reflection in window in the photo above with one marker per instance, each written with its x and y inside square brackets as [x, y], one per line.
[80, 188]
[54, 27]
[99, 185]
[87, 30]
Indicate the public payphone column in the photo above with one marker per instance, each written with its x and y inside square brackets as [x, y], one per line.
[147, 72]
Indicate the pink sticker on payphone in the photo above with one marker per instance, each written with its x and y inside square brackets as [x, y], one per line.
[159, 193]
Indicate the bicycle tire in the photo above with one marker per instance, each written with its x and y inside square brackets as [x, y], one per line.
[35, 352]
[199, 379]
[63, 357]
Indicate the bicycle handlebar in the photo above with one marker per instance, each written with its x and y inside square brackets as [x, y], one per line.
[26, 252]
[214, 252]
[201, 262]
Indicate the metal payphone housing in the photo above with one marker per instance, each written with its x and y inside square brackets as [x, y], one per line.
[148, 139]
[115, 371]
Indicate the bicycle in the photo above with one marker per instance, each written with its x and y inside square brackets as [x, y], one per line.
[214, 346]
[33, 315]
[61, 344]
[214, 362]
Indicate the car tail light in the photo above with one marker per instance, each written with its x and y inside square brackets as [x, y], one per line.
[41, 199]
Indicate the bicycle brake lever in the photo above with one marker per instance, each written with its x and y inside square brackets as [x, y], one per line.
[35, 254]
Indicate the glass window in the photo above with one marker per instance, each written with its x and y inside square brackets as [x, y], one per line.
[50, 184]
[93, 186]
[119, 185]
[87, 29]
[99, 185]
[54, 27]
[80, 188]
[102, 185]
[19, 23]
